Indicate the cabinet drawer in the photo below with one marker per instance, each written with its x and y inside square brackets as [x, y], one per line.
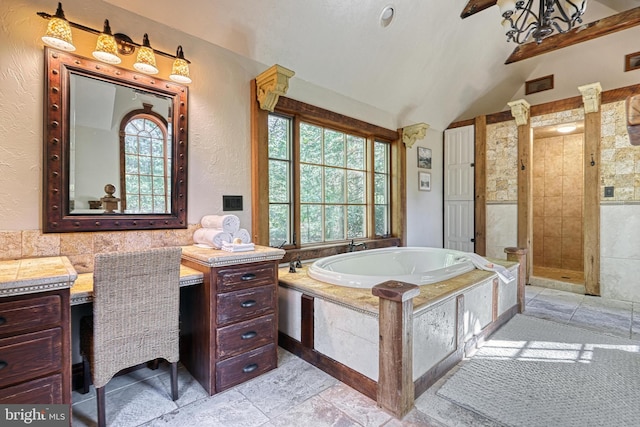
[43, 391]
[28, 356]
[242, 368]
[29, 313]
[248, 276]
[241, 337]
[241, 305]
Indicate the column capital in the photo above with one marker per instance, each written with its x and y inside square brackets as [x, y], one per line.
[272, 83]
[412, 133]
[591, 97]
[520, 111]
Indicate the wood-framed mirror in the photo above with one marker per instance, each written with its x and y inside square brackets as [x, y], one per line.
[115, 148]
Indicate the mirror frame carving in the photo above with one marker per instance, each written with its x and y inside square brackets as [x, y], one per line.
[56, 151]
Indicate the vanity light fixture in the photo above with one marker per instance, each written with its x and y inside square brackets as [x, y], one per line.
[58, 33]
[108, 46]
[146, 60]
[180, 69]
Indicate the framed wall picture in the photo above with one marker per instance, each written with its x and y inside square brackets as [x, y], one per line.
[538, 85]
[632, 61]
[424, 158]
[424, 181]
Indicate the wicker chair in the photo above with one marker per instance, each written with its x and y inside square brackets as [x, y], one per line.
[135, 316]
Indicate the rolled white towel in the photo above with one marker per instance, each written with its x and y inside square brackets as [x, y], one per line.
[243, 235]
[213, 237]
[228, 223]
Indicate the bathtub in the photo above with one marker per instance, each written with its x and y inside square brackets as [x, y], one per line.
[329, 316]
[365, 269]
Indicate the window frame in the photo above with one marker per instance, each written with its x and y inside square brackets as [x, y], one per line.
[299, 111]
[146, 113]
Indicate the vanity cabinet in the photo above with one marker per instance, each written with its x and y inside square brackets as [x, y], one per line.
[35, 348]
[229, 326]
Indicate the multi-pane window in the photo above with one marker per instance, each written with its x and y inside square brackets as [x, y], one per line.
[334, 172]
[147, 160]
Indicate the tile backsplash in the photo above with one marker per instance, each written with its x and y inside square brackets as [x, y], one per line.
[80, 248]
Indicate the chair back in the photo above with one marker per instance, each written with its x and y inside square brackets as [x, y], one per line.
[135, 309]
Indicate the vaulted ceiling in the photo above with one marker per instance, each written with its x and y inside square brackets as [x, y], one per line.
[429, 65]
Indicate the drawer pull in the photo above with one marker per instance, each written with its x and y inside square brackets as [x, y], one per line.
[248, 303]
[3, 364]
[2, 320]
[250, 368]
[249, 335]
[248, 276]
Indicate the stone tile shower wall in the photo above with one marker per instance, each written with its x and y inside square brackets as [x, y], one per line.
[502, 159]
[557, 202]
[80, 248]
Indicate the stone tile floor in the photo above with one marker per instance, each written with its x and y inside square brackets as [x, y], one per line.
[298, 394]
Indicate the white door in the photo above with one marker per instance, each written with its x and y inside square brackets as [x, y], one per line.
[459, 189]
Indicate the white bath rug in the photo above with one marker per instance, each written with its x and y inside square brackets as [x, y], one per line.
[535, 372]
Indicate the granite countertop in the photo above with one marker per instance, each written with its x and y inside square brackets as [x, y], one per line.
[30, 275]
[82, 291]
[363, 300]
[219, 258]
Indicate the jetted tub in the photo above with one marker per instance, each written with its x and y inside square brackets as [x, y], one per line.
[416, 265]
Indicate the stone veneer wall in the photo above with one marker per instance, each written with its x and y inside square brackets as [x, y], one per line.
[502, 159]
[80, 248]
[620, 160]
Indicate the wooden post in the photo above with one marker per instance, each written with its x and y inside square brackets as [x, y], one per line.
[395, 376]
[480, 179]
[519, 255]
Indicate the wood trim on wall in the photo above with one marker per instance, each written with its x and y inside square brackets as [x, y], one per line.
[525, 205]
[480, 185]
[259, 168]
[591, 202]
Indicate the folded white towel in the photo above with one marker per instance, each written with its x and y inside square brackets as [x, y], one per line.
[228, 223]
[243, 235]
[213, 237]
[237, 247]
[483, 264]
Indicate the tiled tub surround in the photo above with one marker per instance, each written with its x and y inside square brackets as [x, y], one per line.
[34, 330]
[448, 318]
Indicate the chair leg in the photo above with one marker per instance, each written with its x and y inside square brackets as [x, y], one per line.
[174, 381]
[86, 374]
[102, 416]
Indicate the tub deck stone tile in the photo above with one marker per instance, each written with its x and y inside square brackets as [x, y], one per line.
[363, 299]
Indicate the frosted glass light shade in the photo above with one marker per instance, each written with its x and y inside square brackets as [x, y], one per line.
[107, 49]
[180, 71]
[506, 6]
[58, 34]
[146, 61]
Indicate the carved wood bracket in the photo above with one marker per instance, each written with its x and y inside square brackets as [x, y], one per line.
[272, 83]
[520, 111]
[591, 97]
[410, 134]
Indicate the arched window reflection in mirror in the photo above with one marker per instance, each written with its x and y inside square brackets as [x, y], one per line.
[147, 159]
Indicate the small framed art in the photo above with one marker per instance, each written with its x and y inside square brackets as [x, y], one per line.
[632, 61]
[424, 181]
[424, 158]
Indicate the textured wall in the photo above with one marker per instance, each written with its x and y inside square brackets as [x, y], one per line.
[502, 159]
[219, 114]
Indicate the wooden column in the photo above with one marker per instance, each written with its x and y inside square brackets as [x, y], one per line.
[591, 194]
[519, 255]
[480, 183]
[259, 170]
[395, 377]
[520, 111]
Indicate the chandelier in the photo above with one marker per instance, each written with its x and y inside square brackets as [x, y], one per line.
[522, 23]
